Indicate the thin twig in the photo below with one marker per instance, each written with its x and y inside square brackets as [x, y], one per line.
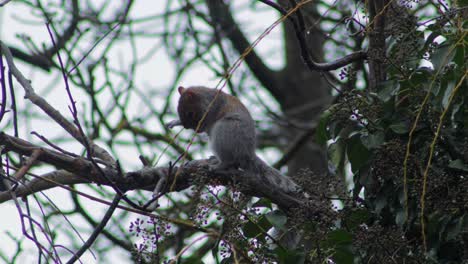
[90, 148]
[53, 145]
[13, 103]
[22, 216]
[4, 2]
[3, 84]
[27, 165]
[92, 48]
[294, 147]
[47, 108]
[97, 230]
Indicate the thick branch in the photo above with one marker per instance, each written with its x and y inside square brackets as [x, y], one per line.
[36, 59]
[299, 29]
[80, 170]
[222, 17]
[376, 43]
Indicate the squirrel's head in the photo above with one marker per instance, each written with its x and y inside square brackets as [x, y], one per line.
[194, 103]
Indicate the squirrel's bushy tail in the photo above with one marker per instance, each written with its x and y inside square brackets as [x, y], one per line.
[272, 176]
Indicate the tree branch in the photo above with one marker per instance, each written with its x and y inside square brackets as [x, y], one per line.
[50, 110]
[43, 60]
[38, 60]
[97, 230]
[222, 17]
[81, 170]
[377, 48]
[299, 29]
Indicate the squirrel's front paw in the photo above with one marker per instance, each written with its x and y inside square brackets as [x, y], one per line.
[217, 165]
[213, 163]
[173, 124]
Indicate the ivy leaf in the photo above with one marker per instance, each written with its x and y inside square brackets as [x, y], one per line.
[321, 133]
[458, 164]
[387, 90]
[400, 217]
[454, 230]
[277, 218]
[336, 151]
[262, 202]
[357, 153]
[380, 203]
[399, 127]
[448, 92]
[340, 240]
[256, 229]
[339, 237]
[356, 218]
[373, 141]
[443, 55]
[290, 256]
[343, 255]
[459, 58]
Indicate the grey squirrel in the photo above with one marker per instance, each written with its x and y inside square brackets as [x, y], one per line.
[231, 131]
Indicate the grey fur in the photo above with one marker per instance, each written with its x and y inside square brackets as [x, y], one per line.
[231, 130]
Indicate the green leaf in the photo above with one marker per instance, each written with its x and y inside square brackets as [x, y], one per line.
[277, 218]
[356, 218]
[459, 58]
[286, 256]
[321, 133]
[399, 127]
[462, 3]
[400, 217]
[336, 151]
[343, 255]
[340, 241]
[455, 229]
[358, 155]
[448, 92]
[443, 55]
[373, 141]
[380, 203]
[422, 76]
[387, 89]
[256, 229]
[458, 164]
[262, 202]
[339, 237]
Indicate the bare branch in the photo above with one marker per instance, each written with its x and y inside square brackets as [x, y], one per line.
[4, 2]
[97, 230]
[3, 84]
[27, 165]
[50, 110]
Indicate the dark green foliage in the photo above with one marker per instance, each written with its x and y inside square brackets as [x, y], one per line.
[407, 147]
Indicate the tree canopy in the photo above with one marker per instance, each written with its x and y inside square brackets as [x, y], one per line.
[361, 103]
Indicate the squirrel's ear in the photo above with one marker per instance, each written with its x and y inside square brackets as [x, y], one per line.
[181, 90]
